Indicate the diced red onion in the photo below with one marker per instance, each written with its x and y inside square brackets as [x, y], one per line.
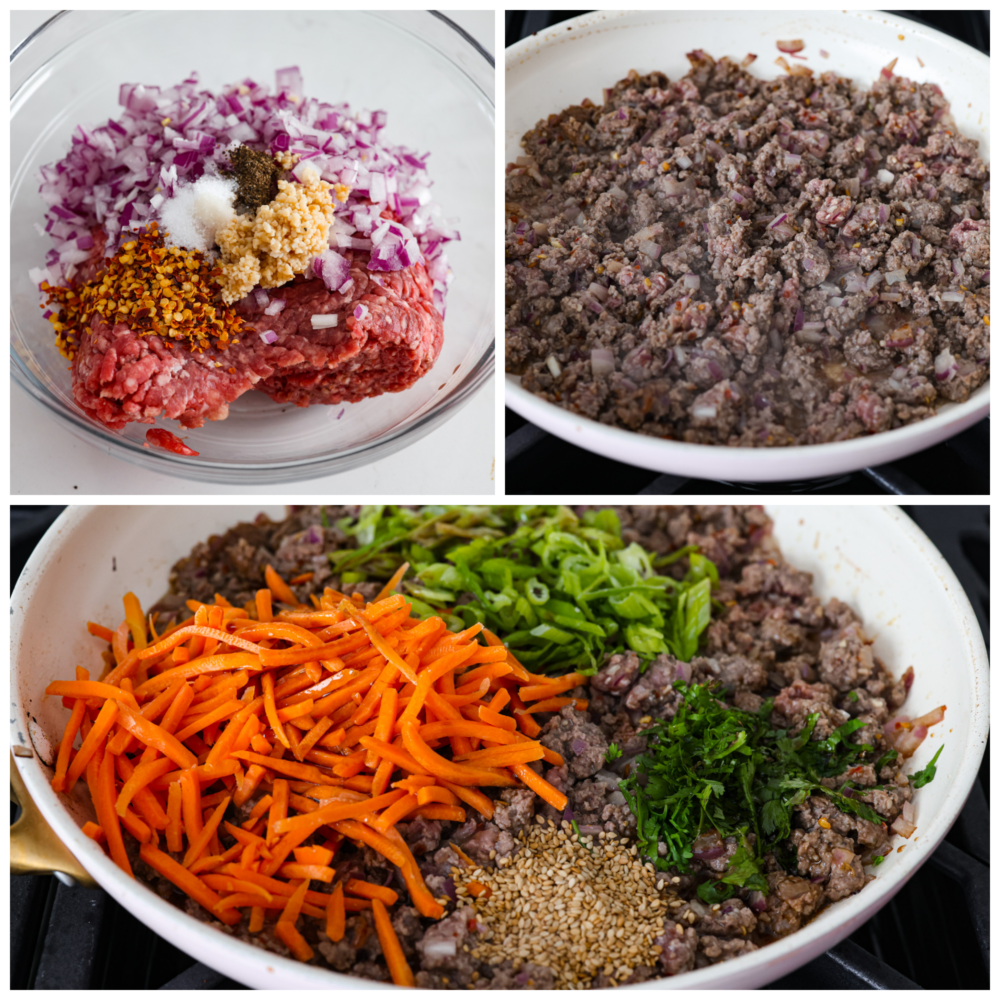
[800, 317]
[903, 824]
[268, 336]
[793, 46]
[952, 296]
[914, 247]
[945, 366]
[704, 411]
[708, 846]
[900, 341]
[715, 370]
[824, 53]
[261, 298]
[890, 297]
[747, 59]
[931, 718]
[841, 858]
[792, 159]
[333, 269]
[275, 307]
[650, 249]
[602, 362]
[891, 277]
[323, 321]
[885, 177]
[777, 222]
[692, 281]
[598, 291]
[361, 311]
[853, 186]
[958, 267]
[836, 300]
[553, 365]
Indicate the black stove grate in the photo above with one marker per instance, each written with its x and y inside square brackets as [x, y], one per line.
[539, 464]
[73, 938]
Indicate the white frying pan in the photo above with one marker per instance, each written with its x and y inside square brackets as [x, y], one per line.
[873, 558]
[575, 59]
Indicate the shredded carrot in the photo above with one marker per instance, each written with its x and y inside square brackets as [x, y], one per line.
[175, 842]
[554, 704]
[200, 842]
[93, 831]
[313, 855]
[541, 787]
[535, 692]
[368, 890]
[394, 813]
[106, 815]
[478, 890]
[92, 742]
[100, 631]
[394, 581]
[435, 793]
[66, 746]
[335, 916]
[483, 804]
[278, 587]
[399, 969]
[339, 720]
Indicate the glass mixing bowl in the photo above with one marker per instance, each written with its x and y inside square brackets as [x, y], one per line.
[437, 86]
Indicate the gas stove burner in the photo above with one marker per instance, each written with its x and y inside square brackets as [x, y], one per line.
[801, 486]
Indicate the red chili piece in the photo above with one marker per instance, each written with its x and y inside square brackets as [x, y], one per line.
[160, 438]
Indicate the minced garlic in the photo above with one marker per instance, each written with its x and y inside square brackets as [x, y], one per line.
[270, 247]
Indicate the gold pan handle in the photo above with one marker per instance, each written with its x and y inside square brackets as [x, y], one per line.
[34, 848]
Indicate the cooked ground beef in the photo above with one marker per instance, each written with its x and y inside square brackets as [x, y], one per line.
[729, 260]
[772, 638]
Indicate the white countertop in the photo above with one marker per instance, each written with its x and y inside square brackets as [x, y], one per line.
[46, 459]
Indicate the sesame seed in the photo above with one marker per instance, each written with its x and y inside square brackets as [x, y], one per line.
[579, 909]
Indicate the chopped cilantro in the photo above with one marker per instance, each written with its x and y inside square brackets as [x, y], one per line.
[564, 592]
[877, 860]
[926, 776]
[613, 753]
[853, 696]
[713, 767]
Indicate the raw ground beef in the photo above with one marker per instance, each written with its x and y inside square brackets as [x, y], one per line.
[120, 377]
[772, 638]
[709, 260]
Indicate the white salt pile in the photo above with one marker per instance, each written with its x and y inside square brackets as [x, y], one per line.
[197, 212]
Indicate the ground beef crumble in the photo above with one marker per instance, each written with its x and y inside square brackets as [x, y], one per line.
[773, 638]
[728, 260]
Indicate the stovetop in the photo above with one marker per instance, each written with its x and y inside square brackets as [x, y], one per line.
[934, 934]
[538, 463]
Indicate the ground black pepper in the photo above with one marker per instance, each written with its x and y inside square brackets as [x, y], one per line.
[256, 175]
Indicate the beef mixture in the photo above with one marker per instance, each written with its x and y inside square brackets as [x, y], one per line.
[730, 260]
[514, 919]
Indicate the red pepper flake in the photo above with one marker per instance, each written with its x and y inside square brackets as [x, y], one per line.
[160, 438]
[154, 289]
